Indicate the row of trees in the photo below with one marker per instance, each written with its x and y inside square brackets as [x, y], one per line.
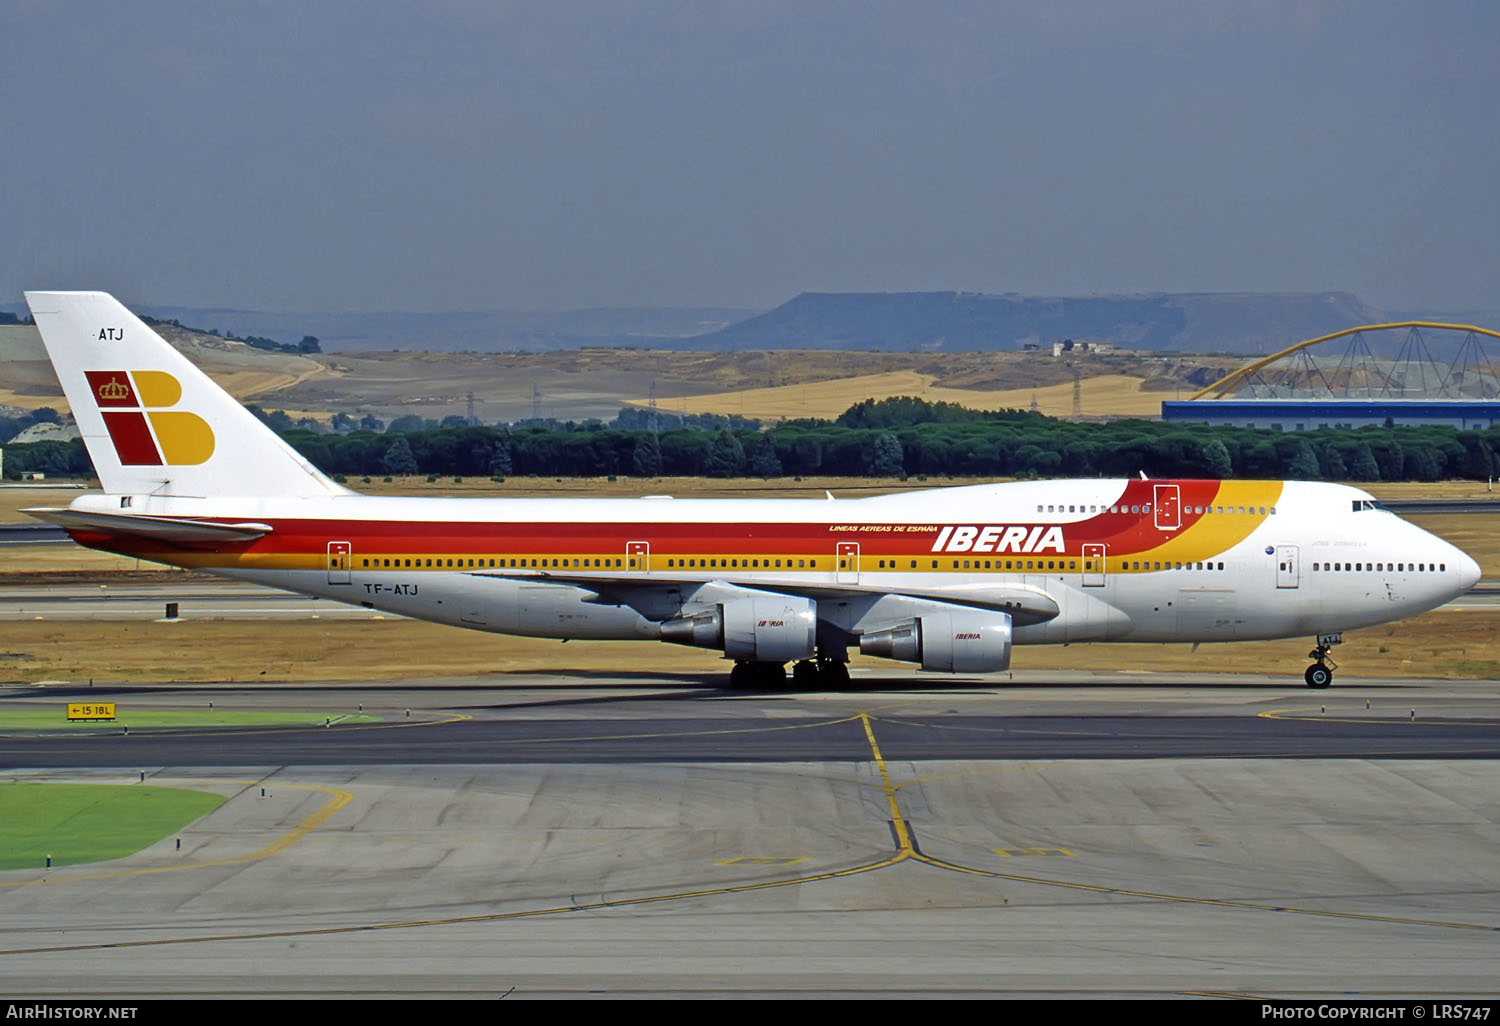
[892, 438]
[308, 344]
[630, 418]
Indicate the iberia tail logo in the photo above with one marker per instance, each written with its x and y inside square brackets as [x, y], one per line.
[146, 432]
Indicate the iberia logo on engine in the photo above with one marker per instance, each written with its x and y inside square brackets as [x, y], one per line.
[146, 432]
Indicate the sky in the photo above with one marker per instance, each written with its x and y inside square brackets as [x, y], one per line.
[562, 154]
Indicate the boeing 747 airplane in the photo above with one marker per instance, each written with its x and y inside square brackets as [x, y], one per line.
[950, 579]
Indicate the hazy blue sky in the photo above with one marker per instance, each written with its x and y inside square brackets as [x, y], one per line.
[463, 155]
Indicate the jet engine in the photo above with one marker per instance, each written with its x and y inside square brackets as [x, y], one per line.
[759, 628]
[962, 641]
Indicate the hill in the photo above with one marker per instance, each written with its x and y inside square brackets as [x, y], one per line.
[956, 321]
[27, 380]
[1219, 322]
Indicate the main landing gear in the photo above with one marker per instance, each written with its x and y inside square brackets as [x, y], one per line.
[1320, 673]
[824, 673]
[757, 675]
[821, 673]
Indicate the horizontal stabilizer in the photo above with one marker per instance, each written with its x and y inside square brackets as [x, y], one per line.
[175, 530]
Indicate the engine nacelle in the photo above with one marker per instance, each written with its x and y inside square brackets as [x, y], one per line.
[963, 641]
[759, 628]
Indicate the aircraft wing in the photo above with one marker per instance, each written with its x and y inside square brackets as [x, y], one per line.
[1025, 604]
[173, 530]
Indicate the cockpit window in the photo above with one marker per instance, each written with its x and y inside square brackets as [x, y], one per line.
[1360, 505]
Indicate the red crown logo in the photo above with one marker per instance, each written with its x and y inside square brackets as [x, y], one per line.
[112, 389]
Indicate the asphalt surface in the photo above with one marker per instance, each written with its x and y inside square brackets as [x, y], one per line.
[747, 730]
[1097, 835]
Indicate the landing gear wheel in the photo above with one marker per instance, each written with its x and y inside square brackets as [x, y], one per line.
[757, 675]
[834, 674]
[770, 675]
[806, 674]
[1320, 673]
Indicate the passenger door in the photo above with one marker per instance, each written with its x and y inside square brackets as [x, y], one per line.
[1168, 507]
[638, 556]
[340, 556]
[1287, 573]
[846, 559]
[1093, 566]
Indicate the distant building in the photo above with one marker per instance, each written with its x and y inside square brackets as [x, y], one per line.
[1068, 345]
[1310, 414]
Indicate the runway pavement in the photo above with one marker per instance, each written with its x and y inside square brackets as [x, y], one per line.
[630, 835]
[198, 599]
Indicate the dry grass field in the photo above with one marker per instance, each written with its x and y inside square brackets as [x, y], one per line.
[1438, 644]
[1446, 643]
[580, 383]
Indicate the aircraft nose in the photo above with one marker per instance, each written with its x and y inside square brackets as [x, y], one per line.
[1468, 571]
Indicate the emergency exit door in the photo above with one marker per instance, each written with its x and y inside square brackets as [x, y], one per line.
[340, 556]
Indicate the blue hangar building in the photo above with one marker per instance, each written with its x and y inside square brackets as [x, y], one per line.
[1310, 414]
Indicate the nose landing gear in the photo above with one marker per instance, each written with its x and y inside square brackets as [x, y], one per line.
[1320, 673]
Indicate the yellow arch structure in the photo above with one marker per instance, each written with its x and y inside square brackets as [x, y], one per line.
[1235, 377]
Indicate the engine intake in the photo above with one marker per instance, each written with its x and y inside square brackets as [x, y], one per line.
[963, 641]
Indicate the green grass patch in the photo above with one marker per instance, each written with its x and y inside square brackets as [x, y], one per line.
[1473, 669]
[33, 717]
[76, 823]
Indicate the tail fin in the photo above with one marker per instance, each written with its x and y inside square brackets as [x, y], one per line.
[154, 424]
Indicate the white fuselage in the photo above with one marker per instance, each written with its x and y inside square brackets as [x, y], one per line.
[1256, 560]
